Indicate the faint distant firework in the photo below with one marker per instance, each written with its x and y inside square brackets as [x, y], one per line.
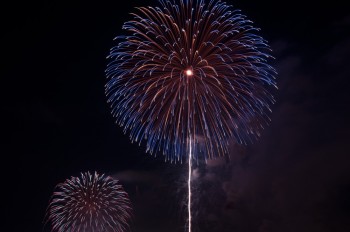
[190, 70]
[89, 203]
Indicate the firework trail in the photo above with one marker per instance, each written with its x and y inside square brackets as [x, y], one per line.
[190, 72]
[89, 203]
[189, 204]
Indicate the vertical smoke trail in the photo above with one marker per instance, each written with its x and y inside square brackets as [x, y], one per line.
[189, 187]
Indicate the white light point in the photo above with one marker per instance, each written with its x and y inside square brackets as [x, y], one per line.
[189, 72]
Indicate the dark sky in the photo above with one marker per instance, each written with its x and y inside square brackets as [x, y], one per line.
[57, 123]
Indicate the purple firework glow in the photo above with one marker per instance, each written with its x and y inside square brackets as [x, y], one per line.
[89, 203]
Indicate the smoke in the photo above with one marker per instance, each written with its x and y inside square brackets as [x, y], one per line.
[296, 176]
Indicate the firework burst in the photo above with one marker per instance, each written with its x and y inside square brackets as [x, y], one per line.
[190, 70]
[89, 203]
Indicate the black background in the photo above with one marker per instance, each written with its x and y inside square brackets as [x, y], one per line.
[56, 123]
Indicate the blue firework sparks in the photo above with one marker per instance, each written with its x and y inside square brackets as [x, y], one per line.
[190, 71]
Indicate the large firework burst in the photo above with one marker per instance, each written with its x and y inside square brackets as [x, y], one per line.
[89, 203]
[190, 71]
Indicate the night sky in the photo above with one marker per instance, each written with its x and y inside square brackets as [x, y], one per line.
[57, 123]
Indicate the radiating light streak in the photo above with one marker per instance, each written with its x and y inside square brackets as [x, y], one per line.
[189, 187]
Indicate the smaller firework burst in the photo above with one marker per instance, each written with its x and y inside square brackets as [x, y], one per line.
[89, 203]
